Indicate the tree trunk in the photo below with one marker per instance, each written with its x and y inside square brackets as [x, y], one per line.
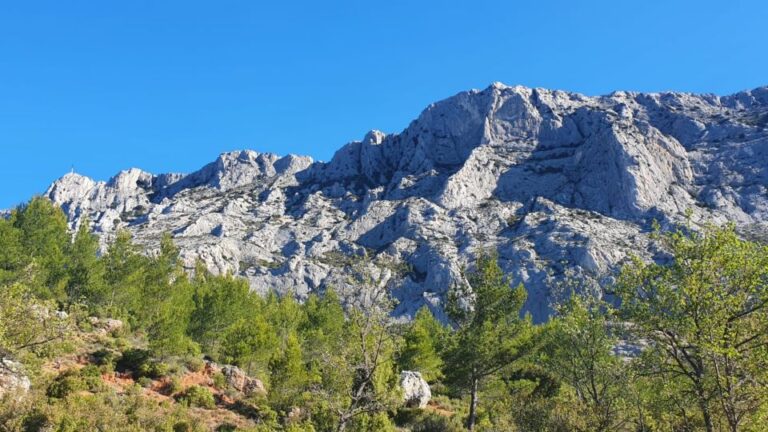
[473, 406]
[707, 416]
[342, 425]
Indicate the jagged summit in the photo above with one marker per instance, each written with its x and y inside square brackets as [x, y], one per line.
[559, 183]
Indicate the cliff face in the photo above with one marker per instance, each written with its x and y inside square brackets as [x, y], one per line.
[561, 184]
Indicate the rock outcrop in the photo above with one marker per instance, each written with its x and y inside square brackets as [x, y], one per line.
[561, 184]
[416, 393]
[240, 381]
[14, 383]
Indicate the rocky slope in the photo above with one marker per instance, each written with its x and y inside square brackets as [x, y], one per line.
[559, 183]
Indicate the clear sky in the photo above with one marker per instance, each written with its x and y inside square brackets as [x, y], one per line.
[168, 85]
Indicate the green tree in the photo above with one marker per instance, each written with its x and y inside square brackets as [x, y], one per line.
[422, 343]
[219, 302]
[27, 325]
[12, 255]
[579, 352]
[289, 377]
[125, 273]
[45, 238]
[249, 343]
[354, 361]
[490, 335]
[167, 302]
[85, 271]
[705, 316]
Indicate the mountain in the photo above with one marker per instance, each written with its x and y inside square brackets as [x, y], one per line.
[563, 185]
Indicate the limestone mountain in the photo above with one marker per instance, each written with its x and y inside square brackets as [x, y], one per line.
[561, 184]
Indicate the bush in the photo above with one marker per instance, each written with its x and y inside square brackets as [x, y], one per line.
[65, 384]
[145, 382]
[419, 420]
[132, 360]
[197, 396]
[173, 386]
[104, 357]
[90, 371]
[195, 364]
[141, 364]
[219, 380]
[153, 369]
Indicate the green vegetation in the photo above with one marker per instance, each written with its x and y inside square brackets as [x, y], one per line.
[693, 333]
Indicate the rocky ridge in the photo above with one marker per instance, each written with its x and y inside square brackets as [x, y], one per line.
[561, 184]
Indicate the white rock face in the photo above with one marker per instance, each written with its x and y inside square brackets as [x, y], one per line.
[416, 391]
[559, 183]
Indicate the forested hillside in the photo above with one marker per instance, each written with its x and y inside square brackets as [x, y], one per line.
[127, 340]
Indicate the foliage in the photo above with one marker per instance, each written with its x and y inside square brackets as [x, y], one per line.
[489, 334]
[423, 342]
[705, 317]
[197, 396]
[686, 349]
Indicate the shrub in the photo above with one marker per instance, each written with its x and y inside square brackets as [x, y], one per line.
[145, 382]
[419, 420]
[65, 384]
[195, 364]
[197, 396]
[90, 371]
[173, 386]
[219, 380]
[153, 369]
[104, 357]
[132, 359]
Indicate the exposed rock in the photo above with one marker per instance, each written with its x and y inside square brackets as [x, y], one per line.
[106, 325]
[562, 184]
[13, 382]
[416, 391]
[241, 382]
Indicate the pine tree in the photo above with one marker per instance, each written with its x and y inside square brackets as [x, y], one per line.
[249, 343]
[220, 301]
[85, 271]
[45, 238]
[423, 341]
[579, 353]
[289, 378]
[125, 273]
[12, 255]
[489, 333]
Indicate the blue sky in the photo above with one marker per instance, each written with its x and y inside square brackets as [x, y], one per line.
[168, 85]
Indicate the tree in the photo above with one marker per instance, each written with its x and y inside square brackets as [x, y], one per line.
[167, 302]
[45, 237]
[27, 325]
[220, 301]
[355, 367]
[249, 343]
[579, 352]
[125, 272]
[422, 344]
[368, 355]
[12, 255]
[705, 316]
[489, 332]
[289, 378]
[85, 271]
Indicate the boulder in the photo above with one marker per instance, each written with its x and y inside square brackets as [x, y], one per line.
[13, 381]
[240, 381]
[105, 325]
[416, 391]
